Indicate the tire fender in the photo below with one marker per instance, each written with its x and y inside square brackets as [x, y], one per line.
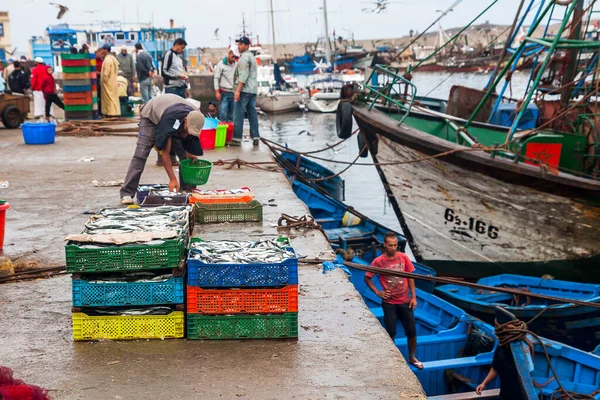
[343, 120]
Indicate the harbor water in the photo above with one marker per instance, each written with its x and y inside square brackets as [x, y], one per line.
[307, 131]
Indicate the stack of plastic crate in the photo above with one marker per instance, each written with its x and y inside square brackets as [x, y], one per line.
[219, 206]
[131, 290]
[242, 301]
[80, 100]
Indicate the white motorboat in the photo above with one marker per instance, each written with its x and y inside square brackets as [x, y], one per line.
[324, 92]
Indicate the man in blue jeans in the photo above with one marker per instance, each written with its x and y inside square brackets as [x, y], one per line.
[145, 72]
[245, 94]
[173, 69]
[223, 81]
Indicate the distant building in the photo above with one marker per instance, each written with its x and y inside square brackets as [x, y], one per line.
[4, 35]
[59, 39]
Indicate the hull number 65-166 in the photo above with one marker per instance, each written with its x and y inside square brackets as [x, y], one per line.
[472, 224]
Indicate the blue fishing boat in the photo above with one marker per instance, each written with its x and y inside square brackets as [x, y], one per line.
[308, 169]
[302, 65]
[573, 324]
[577, 371]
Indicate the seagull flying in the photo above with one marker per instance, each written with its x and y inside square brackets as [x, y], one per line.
[91, 11]
[216, 34]
[61, 10]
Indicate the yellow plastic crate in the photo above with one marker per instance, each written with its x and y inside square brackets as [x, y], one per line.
[86, 327]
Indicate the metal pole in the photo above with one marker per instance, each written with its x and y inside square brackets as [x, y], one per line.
[327, 43]
[572, 54]
[273, 29]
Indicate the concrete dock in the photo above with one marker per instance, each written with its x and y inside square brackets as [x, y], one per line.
[342, 351]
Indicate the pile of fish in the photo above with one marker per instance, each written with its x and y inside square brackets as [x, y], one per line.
[166, 193]
[157, 186]
[226, 252]
[227, 192]
[129, 311]
[137, 277]
[128, 220]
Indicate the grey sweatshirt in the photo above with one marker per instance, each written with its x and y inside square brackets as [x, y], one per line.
[174, 70]
[224, 75]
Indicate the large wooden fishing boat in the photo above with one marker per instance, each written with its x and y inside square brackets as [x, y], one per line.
[490, 187]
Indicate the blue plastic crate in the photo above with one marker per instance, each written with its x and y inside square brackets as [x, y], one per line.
[74, 89]
[243, 275]
[88, 294]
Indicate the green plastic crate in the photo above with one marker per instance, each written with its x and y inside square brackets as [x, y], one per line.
[75, 70]
[251, 211]
[83, 107]
[79, 56]
[125, 258]
[270, 326]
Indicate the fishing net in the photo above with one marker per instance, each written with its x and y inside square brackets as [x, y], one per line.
[16, 389]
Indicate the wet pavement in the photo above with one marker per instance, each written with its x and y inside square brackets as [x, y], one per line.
[342, 351]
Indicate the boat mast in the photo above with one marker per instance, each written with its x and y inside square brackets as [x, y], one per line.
[572, 54]
[327, 42]
[273, 30]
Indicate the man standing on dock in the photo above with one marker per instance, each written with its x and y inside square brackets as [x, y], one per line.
[395, 302]
[245, 83]
[224, 76]
[145, 72]
[108, 82]
[127, 65]
[173, 70]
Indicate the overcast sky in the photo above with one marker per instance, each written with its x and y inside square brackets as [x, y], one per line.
[295, 20]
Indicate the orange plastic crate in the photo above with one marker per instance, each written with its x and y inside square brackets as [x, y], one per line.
[242, 301]
[79, 75]
[224, 198]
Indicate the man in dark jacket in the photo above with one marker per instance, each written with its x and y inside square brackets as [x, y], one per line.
[167, 123]
[145, 72]
[17, 79]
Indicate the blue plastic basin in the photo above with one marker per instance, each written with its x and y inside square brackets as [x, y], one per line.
[41, 133]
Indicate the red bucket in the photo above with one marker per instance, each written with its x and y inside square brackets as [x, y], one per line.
[3, 207]
[229, 131]
[208, 138]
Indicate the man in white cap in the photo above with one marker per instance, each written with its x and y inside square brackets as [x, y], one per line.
[38, 74]
[127, 65]
[167, 123]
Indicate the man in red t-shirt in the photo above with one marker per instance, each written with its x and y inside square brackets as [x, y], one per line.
[395, 301]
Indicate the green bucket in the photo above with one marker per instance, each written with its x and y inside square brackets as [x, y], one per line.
[195, 173]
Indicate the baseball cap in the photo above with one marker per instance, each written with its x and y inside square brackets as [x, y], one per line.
[106, 46]
[243, 39]
[195, 120]
[213, 103]
[11, 60]
[39, 60]
[235, 51]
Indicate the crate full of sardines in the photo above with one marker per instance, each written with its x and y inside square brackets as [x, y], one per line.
[130, 239]
[267, 263]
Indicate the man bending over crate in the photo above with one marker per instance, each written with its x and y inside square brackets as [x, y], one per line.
[168, 123]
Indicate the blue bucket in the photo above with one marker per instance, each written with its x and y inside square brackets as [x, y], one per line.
[41, 133]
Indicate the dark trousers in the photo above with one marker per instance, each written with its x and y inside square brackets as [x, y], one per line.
[179, 91]
[144, 146]
[394, 312]
[52, 98]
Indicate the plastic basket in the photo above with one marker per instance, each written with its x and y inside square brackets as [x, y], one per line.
[111, 294]
[71, 89]
[86, 327]
[242, 275]
[222, 198]
[251, 211]
[155, 201]
[82, 107]
[76, 63]
[124, 258]
[242, 301]
[77, 82]
[242, 326]
[38, 133]
[196, 173]
[77, 56]
[221, 135]
[208, 138]
[75, 70]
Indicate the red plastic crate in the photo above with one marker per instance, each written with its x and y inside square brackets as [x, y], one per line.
[75, 63]
[242, 301]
